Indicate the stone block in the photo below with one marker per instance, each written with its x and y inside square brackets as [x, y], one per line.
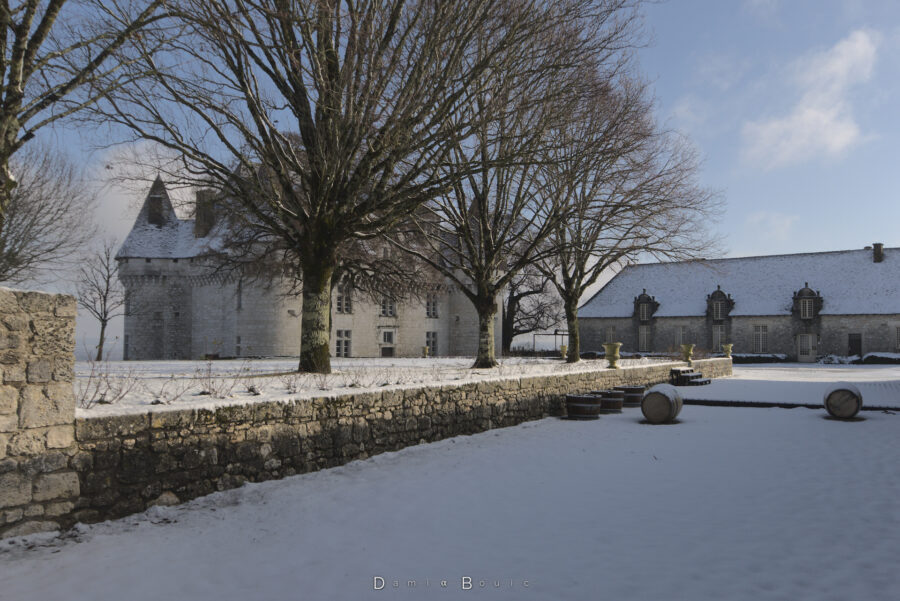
[34, 511]
[27, 528]
[13, 374]
[16, 322]
[56, 407]
[10, 516]
[9, 423]
[60, 437]
[56, 486]
[15, 489]
[54, 510]
[33, 302]
[9, 302]
[44, 463]
[4, 440]
[66, 306]
[9, 400]
[27, 442]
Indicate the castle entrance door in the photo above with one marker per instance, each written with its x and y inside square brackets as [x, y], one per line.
[806, 349]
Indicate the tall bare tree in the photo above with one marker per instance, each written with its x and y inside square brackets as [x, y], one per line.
[497, 217]
[53, 54]
[631, 190]
[99, 291]
[351, 107]
[45, 225]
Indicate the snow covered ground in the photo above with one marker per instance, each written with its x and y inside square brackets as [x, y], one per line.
[162, 385]
[801, 384]
[730, 503]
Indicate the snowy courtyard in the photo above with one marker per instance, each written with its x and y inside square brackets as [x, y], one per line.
[730, 503]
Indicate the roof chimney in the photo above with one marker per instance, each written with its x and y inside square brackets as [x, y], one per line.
[204, 213]
[878, 252]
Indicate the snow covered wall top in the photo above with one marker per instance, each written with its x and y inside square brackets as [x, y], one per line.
[850, 282]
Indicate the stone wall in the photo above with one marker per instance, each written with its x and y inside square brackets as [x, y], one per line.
[131, 462]
[56, 470]
[38, 484]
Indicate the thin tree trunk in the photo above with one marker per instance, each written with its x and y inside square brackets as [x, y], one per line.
[315, 323]
[486, 356]
[573, 355]
[102, 341]
[509, 315]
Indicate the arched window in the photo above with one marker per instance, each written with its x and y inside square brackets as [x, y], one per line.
[807, 303]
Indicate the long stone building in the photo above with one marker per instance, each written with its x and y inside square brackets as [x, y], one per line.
[179, 307]
[800, 305]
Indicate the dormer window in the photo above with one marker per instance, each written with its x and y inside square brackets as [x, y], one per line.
[645, 306]
[718, 305]
[807, 302]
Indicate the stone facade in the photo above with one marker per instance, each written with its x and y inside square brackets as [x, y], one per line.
[179, 307]
[56, 470]
[38, 482]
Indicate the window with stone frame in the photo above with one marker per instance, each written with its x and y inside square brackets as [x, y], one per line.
[343, 302]
[644, 312]
[388, 308]
[681, 335]
[760, 339]
[644, 339]
[431, 343]
[431, 306]
[718, 337]
[807, 308]
[342, 343]
[610, 334]
[718, 310]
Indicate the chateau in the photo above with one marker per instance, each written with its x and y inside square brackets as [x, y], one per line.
[800, 305]
[179, 307]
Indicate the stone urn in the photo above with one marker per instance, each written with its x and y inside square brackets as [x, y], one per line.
[726, 348]
[563, 350]
[612, 353]
[687, 353]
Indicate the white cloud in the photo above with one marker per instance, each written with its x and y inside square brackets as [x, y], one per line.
[772, 226]
[821, 123]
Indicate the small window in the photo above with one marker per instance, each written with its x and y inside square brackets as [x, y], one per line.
[174, 260]
[610, 333]
[388, 308]
[342, 345]
[343, 303]
[644, 311]
[718, 310]
[164, 279]
[177, 315]
[146, 260]
[431, 306]
[760, 339]
[806, 308]
[388, 337]
[431, 343]
[681, 335]
[644, 339]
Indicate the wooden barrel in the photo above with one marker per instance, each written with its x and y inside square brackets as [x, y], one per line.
[583, 406]
[612, 401]
[843, 400]
[633, 395]
[661, 404]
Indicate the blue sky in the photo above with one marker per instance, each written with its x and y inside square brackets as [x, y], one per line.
[794, 106]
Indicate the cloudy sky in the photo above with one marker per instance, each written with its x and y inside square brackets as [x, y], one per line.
[793, 104]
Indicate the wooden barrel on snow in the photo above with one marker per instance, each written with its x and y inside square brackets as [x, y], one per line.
[843, 400]
[583, 406]
[661, 404]
[611, 401]
[633, 395]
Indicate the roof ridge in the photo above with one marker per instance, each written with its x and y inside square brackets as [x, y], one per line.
[721, 259]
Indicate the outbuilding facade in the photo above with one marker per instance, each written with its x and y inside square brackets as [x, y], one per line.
[801, 306]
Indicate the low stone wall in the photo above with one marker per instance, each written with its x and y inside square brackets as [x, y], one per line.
[128, 463]
[56, 470]
[38, 484]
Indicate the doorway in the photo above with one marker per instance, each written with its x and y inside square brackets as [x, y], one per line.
[806, 348]
[854, 344]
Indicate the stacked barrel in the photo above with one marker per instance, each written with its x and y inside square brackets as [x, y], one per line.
[599, 402]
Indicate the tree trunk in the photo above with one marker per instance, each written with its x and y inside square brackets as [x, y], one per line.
[573, 355]
[486, 356]
[509, 316]
[315, 323]
[102, 341]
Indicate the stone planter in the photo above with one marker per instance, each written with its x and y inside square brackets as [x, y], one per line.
[563, 350]
[726, 348]
[612, 353]
[687, 353]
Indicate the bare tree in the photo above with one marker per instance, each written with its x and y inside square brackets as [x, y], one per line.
[52, 56]
[530, 304]
[45, 225]
[99, 291]
[497, 217]
[631, 189]
[350, 107]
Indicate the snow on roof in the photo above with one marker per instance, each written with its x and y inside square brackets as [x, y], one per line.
[174, 238]
[850, 283]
